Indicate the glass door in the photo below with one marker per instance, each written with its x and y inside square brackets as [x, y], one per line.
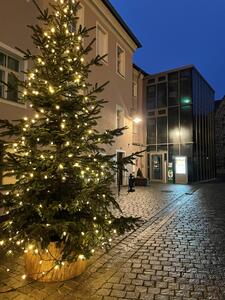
[158, 166]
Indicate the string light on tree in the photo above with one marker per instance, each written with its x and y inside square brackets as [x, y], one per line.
[62, 173]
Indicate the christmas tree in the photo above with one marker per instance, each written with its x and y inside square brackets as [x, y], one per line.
[64, 177]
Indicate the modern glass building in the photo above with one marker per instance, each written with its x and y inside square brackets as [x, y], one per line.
[180, 126]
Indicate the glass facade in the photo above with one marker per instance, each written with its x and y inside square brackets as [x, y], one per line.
[180, 120]
[203, 129]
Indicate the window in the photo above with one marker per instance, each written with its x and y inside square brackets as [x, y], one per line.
[9, 72]
[80, 15]
[162, 78]
[119, 117]
[186, 124]
[161, 95]
[1, 160]
[162, 112]
[102, 42]
[151, 113]
[151, 97]
[152, 80]
[135, 128]
[120, 61]
[173, 89]
[151, 130]
[173, 125]
[134, 89]
[186, 87]
[79, 20]
[161, 130]
[2, 77]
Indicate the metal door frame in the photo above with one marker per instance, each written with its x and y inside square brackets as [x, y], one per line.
[164, 166]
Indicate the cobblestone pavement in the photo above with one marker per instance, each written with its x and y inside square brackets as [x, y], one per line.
[177, 254]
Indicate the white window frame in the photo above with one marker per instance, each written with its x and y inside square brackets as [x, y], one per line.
[135, 128]
[123, 73]
[23, 66]
[100, 27]
[134, 88]
[80, 14]
[120, 108]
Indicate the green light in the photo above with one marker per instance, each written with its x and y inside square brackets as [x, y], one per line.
[185, 100]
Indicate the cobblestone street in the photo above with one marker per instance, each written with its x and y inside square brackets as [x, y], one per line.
[177, 253]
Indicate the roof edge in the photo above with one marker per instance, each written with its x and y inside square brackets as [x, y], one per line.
[140, 69]
[122, 22]
[183, 68]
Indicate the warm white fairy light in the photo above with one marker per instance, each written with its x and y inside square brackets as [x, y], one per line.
[51, 89]
[30, 247]
[81, 257]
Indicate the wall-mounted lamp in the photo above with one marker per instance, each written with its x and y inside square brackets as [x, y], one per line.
[137, 120]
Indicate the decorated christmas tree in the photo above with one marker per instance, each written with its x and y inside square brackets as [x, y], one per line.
[64, 177]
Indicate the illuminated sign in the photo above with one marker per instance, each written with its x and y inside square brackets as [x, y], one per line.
[181, 164]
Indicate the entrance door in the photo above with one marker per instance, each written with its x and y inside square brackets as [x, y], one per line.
[158, 167]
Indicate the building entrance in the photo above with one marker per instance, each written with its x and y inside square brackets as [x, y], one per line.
[158, 166]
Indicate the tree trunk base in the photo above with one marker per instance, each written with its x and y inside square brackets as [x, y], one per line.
[42, 267]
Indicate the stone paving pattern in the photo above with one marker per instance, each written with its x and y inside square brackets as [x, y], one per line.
[177, 254]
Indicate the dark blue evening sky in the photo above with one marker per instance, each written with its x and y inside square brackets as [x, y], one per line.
[174, 33]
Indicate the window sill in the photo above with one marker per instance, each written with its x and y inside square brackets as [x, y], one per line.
[105, 62]
[9, 102]
[122, 76]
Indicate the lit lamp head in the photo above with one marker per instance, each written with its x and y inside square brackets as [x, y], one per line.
[137, 120]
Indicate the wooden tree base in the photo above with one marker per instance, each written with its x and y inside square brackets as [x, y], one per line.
[41, 266]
